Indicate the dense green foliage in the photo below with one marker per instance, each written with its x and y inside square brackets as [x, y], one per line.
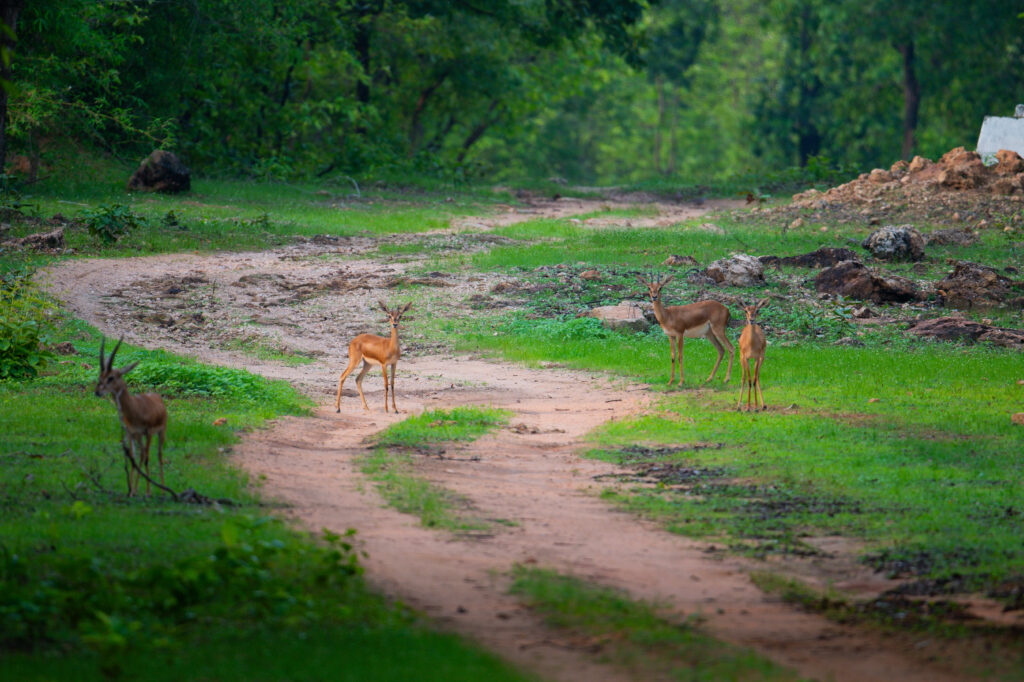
[590, 90]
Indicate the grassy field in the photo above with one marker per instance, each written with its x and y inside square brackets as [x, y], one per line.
[905, 445]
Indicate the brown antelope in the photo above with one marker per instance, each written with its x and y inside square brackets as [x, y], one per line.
[702, 320]
[375, 350]
[752, 347]
[142, 416]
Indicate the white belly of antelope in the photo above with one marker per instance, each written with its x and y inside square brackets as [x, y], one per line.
[697, 332]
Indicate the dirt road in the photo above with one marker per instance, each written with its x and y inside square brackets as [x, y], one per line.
[531, 477]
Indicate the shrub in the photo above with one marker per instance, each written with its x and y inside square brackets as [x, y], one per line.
[24, 328]
[110, 223]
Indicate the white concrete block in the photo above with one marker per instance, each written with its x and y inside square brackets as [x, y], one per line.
[1000, 132]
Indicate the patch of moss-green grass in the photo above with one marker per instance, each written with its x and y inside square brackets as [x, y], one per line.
[636, 634]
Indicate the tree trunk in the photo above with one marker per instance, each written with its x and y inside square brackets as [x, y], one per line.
[416, 125]
[660, 89]
[479, 130]
[911, 98]
[9, 11]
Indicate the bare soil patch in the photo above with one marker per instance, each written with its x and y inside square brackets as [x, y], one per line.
[529, 476]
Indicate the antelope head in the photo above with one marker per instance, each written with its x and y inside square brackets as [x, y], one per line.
[654, 286]
[751, 310]
[394, 316]
[111, 380]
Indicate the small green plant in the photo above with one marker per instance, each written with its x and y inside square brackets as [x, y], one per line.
[110, 223]
[25, 328]
[173, 219]
[466, 423]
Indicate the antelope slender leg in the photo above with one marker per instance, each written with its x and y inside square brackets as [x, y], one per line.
[679, 341]
[353, 360]
[723, 339]
[672, 352]
[160, 451]
[721, 352]
[145, 458]
[744, 367]
[384, 369]
[757, 381]
[394, 370]
[359, 384]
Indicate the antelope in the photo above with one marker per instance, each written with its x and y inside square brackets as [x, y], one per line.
[142, 416]
[752, 347]
[702, 320]
[374, 350]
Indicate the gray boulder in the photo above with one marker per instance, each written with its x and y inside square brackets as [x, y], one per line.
[896, 242]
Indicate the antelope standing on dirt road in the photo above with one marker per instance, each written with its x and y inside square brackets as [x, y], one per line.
[142, 417]
[375, 350]
[702, 320]
[752, 347]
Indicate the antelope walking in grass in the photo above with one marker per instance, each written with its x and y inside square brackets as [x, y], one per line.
[375, 350]
[752, 347]
[142, 417]
[702, 320]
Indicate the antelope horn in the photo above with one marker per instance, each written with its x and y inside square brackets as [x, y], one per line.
[103, 359]
[110, 360]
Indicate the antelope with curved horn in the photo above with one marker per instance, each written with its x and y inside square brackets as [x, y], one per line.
[142, 417]
[375, 350]
[701, 320]
[752, 347]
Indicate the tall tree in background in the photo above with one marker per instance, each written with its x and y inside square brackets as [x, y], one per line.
[9, 12]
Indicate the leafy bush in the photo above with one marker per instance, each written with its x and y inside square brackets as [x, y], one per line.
[247, 579]
[576, 329]
[110, 223]
[201, 380]
[24, 328]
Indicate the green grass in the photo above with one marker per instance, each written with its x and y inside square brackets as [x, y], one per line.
[395, 472]
[635, 634]
[263, 350]
[95, 585]
[464, 423]
[930, 475]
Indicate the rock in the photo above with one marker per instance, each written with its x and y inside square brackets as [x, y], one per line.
[796, 224]
[626, 315]
[41, 240]
[880, 176]
[918, 164]
[738, 270]
[895, 242]
[968, 331]
[899, 169]
[676, 261]
[590, 275]
[1009, 162]
[961, 169]
[961, 237]
[852, 280]
[162, 171]
[971, 285]
[848, 341]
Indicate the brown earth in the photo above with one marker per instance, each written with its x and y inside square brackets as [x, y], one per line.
[301, 299]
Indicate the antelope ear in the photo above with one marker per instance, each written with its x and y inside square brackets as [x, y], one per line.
[762, 303]
[641, 280]
[667, 280]
[383, 307]
[407, 306]
[125, 370]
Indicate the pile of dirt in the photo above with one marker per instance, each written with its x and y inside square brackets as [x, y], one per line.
[968, 331]
[958, 189]
[852, 279]
[971, 285]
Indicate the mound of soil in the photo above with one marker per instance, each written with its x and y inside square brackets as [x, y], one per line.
[971, 285]
[959, 329]
[824, 257]
[958, 189]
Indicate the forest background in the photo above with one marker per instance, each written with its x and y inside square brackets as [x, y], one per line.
[590, 91]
